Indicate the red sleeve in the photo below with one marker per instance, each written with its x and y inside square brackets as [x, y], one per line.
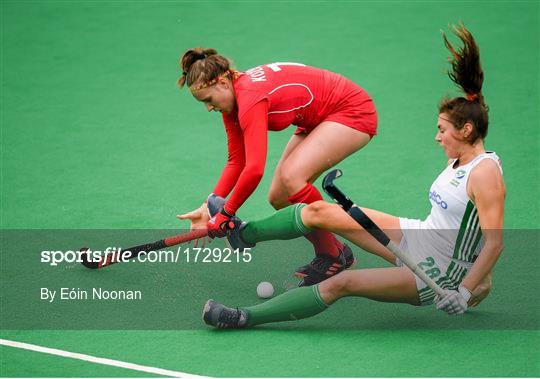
[236, 158]
[254, 124]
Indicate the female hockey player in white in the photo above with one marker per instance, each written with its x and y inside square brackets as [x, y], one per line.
[457, 245]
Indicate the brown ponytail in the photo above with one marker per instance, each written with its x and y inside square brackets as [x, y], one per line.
[201, 65]
[468, 75]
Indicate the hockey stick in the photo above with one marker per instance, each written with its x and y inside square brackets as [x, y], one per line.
[365, 222]
[135, 251]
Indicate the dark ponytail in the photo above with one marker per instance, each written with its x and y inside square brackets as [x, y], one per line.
[468, 75]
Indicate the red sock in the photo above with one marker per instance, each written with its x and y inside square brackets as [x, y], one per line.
[325, 243]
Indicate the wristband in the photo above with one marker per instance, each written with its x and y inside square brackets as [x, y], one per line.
[465, 293]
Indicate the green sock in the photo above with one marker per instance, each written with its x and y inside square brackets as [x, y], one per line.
[295, 304]
[284, 224]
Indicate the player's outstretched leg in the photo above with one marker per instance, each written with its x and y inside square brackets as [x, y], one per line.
[287, 223]
[390, 284]
[293, 305]
[222, 317]
[284, 224]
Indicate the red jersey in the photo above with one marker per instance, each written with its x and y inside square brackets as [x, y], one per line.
[272, 97]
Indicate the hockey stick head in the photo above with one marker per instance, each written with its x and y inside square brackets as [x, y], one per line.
[85, 259]
[334, 192]
[89, 261]
[328, 180]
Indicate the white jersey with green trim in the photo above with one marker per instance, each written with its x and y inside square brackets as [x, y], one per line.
[453, 216]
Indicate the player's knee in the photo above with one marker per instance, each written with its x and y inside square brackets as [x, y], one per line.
[277, 200]
[292, 180]
[315, 214]
[337, 286]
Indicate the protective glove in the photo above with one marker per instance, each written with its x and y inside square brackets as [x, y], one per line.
[220, 224]
[454, 302]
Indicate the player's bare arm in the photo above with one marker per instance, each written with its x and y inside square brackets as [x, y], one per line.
[486, 189]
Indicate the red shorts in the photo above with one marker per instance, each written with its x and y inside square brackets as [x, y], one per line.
[358, 113]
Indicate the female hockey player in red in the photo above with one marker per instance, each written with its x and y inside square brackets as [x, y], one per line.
[334, 118]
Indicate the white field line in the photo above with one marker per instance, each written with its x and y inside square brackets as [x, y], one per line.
[102, 361]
